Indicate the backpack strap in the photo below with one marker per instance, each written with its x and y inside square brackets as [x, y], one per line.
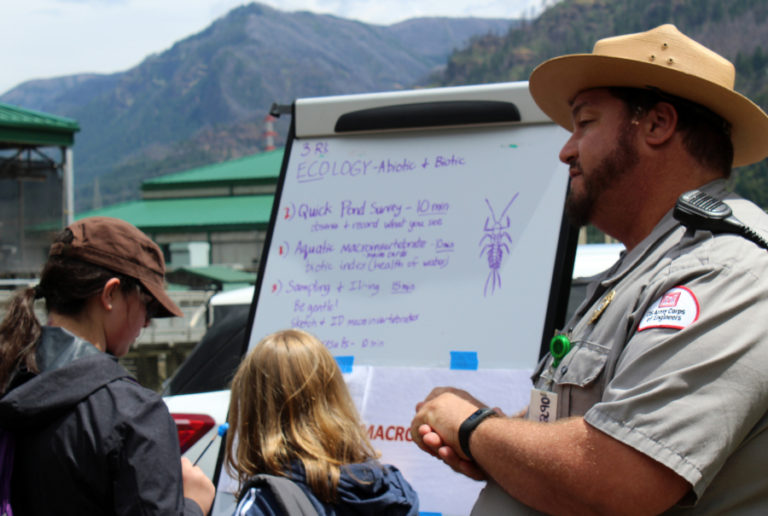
[6, 468]
[290, 497]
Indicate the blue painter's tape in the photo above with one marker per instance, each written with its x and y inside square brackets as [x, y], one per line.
[466, 360]
[422, 513]
[345, 363]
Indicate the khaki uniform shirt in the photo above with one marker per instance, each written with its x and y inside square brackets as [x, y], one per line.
[669, 356]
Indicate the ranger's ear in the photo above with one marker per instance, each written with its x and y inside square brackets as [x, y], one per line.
[659, 124]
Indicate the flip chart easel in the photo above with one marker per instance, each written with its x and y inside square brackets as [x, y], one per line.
[420, 236]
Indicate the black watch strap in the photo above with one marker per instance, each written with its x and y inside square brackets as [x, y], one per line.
[469, 425]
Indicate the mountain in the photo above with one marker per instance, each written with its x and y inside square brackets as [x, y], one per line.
[733, 28]
[204, 100]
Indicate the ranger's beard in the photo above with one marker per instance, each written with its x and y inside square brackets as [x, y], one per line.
[580, 207]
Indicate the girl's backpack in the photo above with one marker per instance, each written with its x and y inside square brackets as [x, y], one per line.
[292, 500]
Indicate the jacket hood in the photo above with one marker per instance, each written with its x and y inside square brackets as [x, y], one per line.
[70, 370]
[372, 488]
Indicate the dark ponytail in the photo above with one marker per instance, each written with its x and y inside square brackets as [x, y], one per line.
[19, 332]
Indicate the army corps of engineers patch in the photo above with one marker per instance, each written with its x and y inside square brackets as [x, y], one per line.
[678, 308]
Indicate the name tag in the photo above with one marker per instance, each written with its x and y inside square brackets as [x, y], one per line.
[543, 407]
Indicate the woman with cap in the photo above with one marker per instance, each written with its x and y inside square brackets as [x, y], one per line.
[88, 438]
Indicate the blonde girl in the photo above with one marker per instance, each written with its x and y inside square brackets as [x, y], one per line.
[291, 415]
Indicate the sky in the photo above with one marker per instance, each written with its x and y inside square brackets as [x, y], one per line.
[50, 38]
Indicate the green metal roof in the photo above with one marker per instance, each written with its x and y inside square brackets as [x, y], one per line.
[27, 127]
[196, 214]
[222, 273]
[257, 168]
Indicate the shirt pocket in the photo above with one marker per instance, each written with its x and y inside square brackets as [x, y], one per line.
[582, 365]
[577, 378]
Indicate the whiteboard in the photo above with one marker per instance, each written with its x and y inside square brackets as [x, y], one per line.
[420, 236]
[416, 249]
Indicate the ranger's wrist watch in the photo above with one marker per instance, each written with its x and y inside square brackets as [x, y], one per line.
[469, 425]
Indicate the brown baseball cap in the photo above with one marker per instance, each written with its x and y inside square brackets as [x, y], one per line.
[121, 247]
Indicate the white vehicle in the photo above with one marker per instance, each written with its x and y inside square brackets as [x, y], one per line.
[197, 395]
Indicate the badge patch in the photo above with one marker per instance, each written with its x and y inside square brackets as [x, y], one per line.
[678, 308]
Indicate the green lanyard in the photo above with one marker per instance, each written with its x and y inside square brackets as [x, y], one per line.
[559, 346]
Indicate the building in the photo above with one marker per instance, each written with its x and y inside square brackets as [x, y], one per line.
[211, 223]
[36, 196]
[212, 215]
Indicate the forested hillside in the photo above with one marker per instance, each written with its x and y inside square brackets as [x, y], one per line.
[734, 28]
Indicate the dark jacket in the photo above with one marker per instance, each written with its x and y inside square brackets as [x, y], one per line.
[364, 489]
[89, 439]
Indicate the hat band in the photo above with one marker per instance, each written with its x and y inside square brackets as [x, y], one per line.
[107, 260]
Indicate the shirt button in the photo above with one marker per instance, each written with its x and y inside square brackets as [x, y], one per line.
[564, 369]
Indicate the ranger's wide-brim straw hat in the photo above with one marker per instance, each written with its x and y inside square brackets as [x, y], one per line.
[662, 58]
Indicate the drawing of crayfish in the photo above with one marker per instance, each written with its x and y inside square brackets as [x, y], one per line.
[494, 244]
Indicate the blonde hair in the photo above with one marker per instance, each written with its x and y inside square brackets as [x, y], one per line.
[289, 403]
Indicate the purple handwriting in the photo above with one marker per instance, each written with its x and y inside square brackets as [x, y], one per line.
[305, 250]
[452, 161]
[343, 343]
[308, 171]
[323, 226]
[322, 266]
[402, 244]
[401, 287]
[443, 246]
[329, 305]
[360, 224]
[321, 321]
[316, 166]
[382, 320]
[307, 211]
[358, 286]
[395, 167]
[389, 264]
[308, 289]
[427, 207]
[317, 149]
[347, 343]
[383, 261]
[349, 209]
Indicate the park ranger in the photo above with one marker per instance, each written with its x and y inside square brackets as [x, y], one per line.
[653, 397]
